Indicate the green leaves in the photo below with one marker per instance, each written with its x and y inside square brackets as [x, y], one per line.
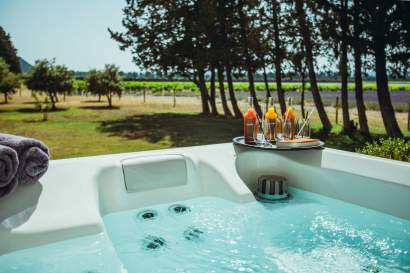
[105, 83]
[391, 148]
[9, 81]
[50, 78]
[8, 52]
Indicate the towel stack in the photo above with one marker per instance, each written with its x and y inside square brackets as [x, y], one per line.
[22, 161]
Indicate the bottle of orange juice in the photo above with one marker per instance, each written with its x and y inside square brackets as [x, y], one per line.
[250, 123]
[270, 121]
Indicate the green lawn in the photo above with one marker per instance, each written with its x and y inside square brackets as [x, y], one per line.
[91, 129]
[83, 127]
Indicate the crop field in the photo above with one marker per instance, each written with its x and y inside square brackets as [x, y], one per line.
[159, 86]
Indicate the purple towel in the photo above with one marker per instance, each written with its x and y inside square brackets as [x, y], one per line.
[32, 154]
[8, 169]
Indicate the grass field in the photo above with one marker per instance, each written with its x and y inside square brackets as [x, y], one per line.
[242, 86]
[81, 126]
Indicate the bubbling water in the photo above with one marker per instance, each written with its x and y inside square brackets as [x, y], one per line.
[309, 233]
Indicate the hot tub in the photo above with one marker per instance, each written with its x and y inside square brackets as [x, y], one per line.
[194, 210]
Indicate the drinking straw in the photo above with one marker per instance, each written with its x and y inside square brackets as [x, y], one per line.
[286, 116]
[306, 120]
[260, 125]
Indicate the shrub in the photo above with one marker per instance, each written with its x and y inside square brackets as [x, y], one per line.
[391, 148]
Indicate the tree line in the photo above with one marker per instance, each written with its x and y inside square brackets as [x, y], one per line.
[46, 77]
[239, 38]
[51, 79]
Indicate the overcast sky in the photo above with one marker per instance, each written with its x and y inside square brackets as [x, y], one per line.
[72, 31]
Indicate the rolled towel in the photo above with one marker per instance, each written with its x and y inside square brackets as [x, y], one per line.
[8, 165]
[33, 156]
[9, 188]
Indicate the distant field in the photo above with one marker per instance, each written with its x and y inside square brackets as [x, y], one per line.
[243, 86]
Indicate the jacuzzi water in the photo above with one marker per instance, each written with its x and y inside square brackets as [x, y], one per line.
[309, 233]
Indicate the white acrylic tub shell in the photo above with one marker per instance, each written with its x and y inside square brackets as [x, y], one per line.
[72, 197]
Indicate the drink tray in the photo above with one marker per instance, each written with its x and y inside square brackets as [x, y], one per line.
[269, 146]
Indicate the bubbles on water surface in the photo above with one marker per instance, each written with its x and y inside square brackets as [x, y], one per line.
[334, 244]
[315, 237]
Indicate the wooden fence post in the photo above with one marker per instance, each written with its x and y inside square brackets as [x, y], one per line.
[337, 110]
[175, 99]
[143, 93]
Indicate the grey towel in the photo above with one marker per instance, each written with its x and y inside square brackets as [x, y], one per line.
[9, 188]
[33, 156]
[8, 165]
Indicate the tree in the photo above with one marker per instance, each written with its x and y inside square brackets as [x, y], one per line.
[111, 82]
[8, 52]
[93, 83]
[223, 53]
[9, 81]
[62, 80]
[386, 23]
[347, 125]
[278, 52]
[306, 32]
[249, 38]
[234, 103]
[171, 37]
[212, 96]
[335, 30]
[359, 46]
[51, 79]
[297, 59]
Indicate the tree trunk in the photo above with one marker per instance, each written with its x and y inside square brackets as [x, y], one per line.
[212, 97]
[304, 29]
[386, 107]
[99, 97]
[174, 98]
[64, 96]
[234, 103]
[343, 68]
[302, 96]
[5, 98]
[53, 103]
[361, 108]
[252, 91]
[204, 92]
[265, 79]
[109, 98]
[278, 58]
[243, 29]
[45, 115]
[225, 107]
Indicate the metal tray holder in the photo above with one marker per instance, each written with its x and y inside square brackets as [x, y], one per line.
[271, 146]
